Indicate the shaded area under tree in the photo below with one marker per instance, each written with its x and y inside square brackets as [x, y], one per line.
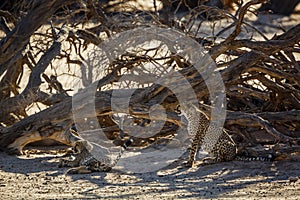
[261, 77]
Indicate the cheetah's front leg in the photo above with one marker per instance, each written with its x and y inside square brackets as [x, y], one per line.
[79, 170]
[193, 151]
[66, 162]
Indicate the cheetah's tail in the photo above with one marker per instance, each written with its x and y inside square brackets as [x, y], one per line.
[269, 158]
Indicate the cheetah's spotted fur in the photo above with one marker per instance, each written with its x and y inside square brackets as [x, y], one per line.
[85, 162]
[218, 143]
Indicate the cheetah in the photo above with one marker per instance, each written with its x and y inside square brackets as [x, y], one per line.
[84, 162]
[218, 143]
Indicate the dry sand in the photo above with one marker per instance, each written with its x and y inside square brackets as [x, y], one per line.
[37, 176]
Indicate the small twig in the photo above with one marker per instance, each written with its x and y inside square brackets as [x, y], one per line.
[238, 23]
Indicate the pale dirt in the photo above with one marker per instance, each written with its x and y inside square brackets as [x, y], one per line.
[37, 176]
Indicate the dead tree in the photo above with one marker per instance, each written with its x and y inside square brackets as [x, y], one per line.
[261, 77]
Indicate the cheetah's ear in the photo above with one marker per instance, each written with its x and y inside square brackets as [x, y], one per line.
[178, 109]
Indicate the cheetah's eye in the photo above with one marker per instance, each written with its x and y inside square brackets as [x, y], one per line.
[178, 109]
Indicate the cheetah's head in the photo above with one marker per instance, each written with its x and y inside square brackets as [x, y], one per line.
[80, 146]
[188, 110]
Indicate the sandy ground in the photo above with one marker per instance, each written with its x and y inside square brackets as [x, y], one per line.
[37, 176]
